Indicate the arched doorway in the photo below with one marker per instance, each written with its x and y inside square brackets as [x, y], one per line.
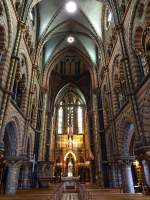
[10, 141]
[10, 146]
[132, 169]
[136, 165]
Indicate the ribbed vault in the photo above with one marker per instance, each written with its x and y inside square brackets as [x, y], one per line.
[55, 25]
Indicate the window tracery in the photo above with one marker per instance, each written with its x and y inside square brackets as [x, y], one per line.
[70, 115]
[60, 120]
[80, 120]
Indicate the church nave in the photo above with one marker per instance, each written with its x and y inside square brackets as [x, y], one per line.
[75, 99]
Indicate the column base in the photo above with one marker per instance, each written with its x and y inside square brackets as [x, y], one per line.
[146, 190]
[44, 182]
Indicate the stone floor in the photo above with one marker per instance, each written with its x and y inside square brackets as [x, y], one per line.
[47, 195]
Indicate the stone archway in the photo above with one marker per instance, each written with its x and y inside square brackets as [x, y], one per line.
[12, 160]
[10, 140]
[70, 163]
[131, 166]
[125, 138]
[10, 144]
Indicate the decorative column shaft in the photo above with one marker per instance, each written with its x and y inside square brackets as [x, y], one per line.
[26, 173]
[128, 180]
[115, 175]
[97, 142]
[12, 177]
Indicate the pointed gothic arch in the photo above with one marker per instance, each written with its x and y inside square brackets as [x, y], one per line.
[73, 155]
[10, 139]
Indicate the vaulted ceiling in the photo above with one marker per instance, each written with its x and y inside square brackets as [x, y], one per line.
[55, 25]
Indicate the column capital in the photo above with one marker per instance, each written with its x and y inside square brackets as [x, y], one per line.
[143, 152]
[15, 57]
[22, 26]
[43, 88]
[15, 161]
[126, 160]
[145, 162]
[35, 67]
[124, 59]
[27, 163]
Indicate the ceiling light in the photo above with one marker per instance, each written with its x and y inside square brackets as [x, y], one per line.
[71, 7]
[70, 39]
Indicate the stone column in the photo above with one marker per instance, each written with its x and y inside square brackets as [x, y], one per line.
[12, 177]
[44, 173]
[26, 175]
[113, 174]
[97, 142]
[146, 168]
[91, 175]
[128, 185]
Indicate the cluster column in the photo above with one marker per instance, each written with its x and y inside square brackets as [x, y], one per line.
[115, 174]
[26, 175]
[12, 176]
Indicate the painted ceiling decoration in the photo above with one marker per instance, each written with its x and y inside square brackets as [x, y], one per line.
[56, 24]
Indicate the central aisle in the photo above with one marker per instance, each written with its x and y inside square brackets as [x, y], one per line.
[70, 196]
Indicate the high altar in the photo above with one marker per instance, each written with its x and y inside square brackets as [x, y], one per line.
[71, 151]
[72, 157]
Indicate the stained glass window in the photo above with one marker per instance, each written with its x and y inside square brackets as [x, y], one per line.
[60, 120]
[80, 120]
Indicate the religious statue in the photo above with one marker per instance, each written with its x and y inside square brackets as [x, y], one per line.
[70, 169]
